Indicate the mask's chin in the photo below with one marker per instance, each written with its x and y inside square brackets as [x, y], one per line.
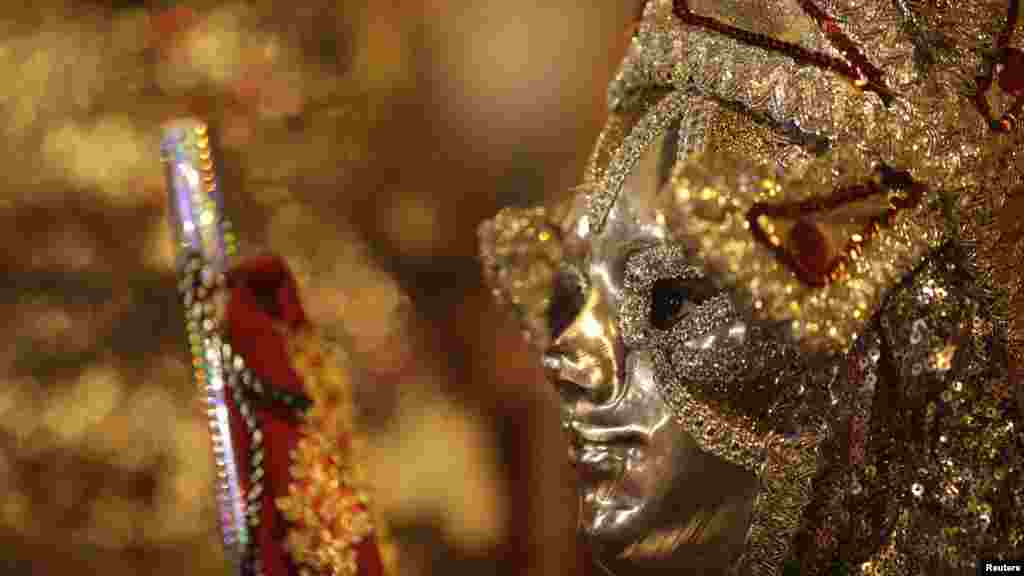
[613, 519]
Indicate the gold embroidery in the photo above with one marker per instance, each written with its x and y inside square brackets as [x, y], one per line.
[328, 504]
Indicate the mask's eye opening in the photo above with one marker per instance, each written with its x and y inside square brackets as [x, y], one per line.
[672, 299]
[567, 301]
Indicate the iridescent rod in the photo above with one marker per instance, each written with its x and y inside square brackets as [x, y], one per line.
[205, 243]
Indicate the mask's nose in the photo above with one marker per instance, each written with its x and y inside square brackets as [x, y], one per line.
[584, 362]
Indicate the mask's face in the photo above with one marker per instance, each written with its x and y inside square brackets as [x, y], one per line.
[624, 298]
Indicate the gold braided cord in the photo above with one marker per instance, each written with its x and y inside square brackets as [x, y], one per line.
[328, 504]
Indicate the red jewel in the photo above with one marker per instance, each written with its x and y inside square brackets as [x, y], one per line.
[811, 248]
[807, 250]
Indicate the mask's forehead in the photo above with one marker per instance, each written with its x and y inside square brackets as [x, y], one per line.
[607, 234]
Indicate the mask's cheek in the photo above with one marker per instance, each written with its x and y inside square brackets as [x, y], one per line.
[632, 507]
[626, 503]
[649, 471]
[736, 365]
[618, 511]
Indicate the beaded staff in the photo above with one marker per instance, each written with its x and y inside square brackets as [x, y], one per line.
[205, 242]
[292, 490]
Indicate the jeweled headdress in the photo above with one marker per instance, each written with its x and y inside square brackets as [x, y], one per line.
[847, 169]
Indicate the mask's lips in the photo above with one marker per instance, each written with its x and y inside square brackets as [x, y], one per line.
[599, 453]
[602, 467]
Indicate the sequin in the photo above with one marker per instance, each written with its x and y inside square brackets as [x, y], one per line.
[869, 382]
[855, 487]
[917, 331]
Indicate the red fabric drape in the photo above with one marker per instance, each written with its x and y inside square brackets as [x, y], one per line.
[263, 310]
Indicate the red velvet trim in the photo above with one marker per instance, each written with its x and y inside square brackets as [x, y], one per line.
[252, 323]
[271, 275]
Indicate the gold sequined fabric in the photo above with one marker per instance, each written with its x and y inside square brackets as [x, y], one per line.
[521, 252]
[894, 445]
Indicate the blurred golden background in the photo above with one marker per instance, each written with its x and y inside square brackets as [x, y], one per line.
[362, 142]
